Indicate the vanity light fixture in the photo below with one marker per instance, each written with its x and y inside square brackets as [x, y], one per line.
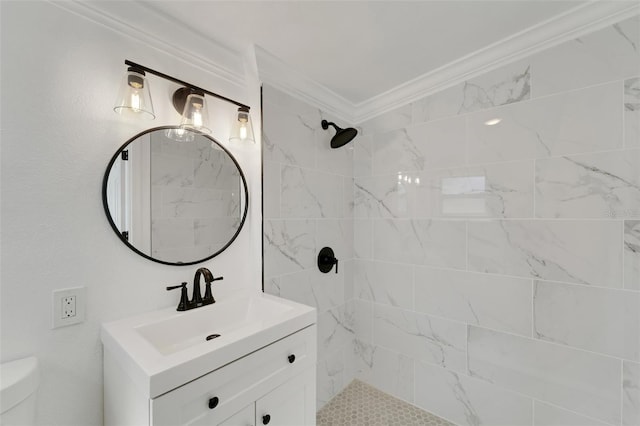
[189, 101]
[242, 129]
[192, 105]
[134, 97]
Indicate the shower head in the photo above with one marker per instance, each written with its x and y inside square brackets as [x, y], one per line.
[342, 136]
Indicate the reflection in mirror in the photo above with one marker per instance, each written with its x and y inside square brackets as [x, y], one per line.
[175, 201]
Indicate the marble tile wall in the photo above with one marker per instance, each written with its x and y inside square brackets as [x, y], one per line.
[308, 204]
[194, 200]
[496, 271]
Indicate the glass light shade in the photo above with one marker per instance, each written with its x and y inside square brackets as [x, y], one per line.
[134, 98]
[242, 128]
[195, 115]
[180, 134]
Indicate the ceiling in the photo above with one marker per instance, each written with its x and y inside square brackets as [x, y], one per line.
[360, 49]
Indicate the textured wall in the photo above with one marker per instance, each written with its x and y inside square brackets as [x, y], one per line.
[307, 197]
[60, 74]
[496, 269]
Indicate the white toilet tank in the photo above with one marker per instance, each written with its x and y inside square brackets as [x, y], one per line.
[18, 385]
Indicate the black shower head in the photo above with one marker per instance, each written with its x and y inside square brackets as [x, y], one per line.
[342, 136]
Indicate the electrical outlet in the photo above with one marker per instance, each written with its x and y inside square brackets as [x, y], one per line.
[68, 306]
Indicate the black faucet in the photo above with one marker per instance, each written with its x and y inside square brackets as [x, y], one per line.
[196, 300]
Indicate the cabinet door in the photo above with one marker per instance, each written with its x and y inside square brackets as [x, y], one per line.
[244, 417]
[291, 404]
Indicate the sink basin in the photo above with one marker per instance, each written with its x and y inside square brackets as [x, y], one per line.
[178, 332]
[163, 349]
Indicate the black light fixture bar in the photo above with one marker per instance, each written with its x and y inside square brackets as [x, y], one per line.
[184, 83]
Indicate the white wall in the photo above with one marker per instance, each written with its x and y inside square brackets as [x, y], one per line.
[60, 73]
[496, 267]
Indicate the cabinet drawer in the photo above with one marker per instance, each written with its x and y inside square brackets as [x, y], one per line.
[230, 388]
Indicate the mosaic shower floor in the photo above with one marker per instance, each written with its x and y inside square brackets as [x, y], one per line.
[362, 405]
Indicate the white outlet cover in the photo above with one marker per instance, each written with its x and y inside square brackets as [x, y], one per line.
[80, 294]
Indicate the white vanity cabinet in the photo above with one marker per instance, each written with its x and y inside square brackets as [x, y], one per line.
[273, 385]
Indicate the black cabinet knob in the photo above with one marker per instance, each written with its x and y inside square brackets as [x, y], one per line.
[213, 402]
[291, 358]
[266, 419]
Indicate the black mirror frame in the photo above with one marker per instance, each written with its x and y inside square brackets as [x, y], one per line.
[117, 231]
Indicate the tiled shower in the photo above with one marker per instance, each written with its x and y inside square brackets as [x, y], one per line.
[488, 237]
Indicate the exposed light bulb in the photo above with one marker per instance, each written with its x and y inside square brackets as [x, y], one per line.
[135, 101]
[243, 130]
[492, 122]
[197, 119]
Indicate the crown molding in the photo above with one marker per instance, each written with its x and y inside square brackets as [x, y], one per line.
[152, 32]
[273, 71]
[569, 25]
[572, 24]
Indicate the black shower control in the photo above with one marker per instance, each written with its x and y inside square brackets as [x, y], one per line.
[266, 419]
[326, 260]
[213, 402]
[292, 358]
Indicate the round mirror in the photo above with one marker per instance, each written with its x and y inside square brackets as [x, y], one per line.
[175, 196]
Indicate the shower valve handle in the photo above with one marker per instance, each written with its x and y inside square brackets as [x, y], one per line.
[326, 260]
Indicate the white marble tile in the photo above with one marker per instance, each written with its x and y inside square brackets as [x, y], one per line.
[335, 330]
[363, 238]
[337, 234]
[579, 381]
[576, 122]
[597, 319]
[312, 287]
[630, 394]
[603, 185]
[384, 283]
[363, 155]
[632, 254]
[399, 150]
[392, 120]
[362, 311]
[172, 232]
[329, 378]
[434, 144]
[213, 168]
[215, 232]
[468, 401]
[289, 137]
[191, 202]
[549, 415]
[583, 252]
[501, 303]
[422, 242]
[347, 197]
[385, 196]
[310, 194]
[495, 190]
[271, 188]
[632, 112]
[289, 246]
[348, 279]
[505, 85]
[171, 171]
[434, 340]
[386, 370]
[612, 53]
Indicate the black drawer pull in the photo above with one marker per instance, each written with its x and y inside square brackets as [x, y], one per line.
[291, 358]
[266, 419]
[213, 402]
